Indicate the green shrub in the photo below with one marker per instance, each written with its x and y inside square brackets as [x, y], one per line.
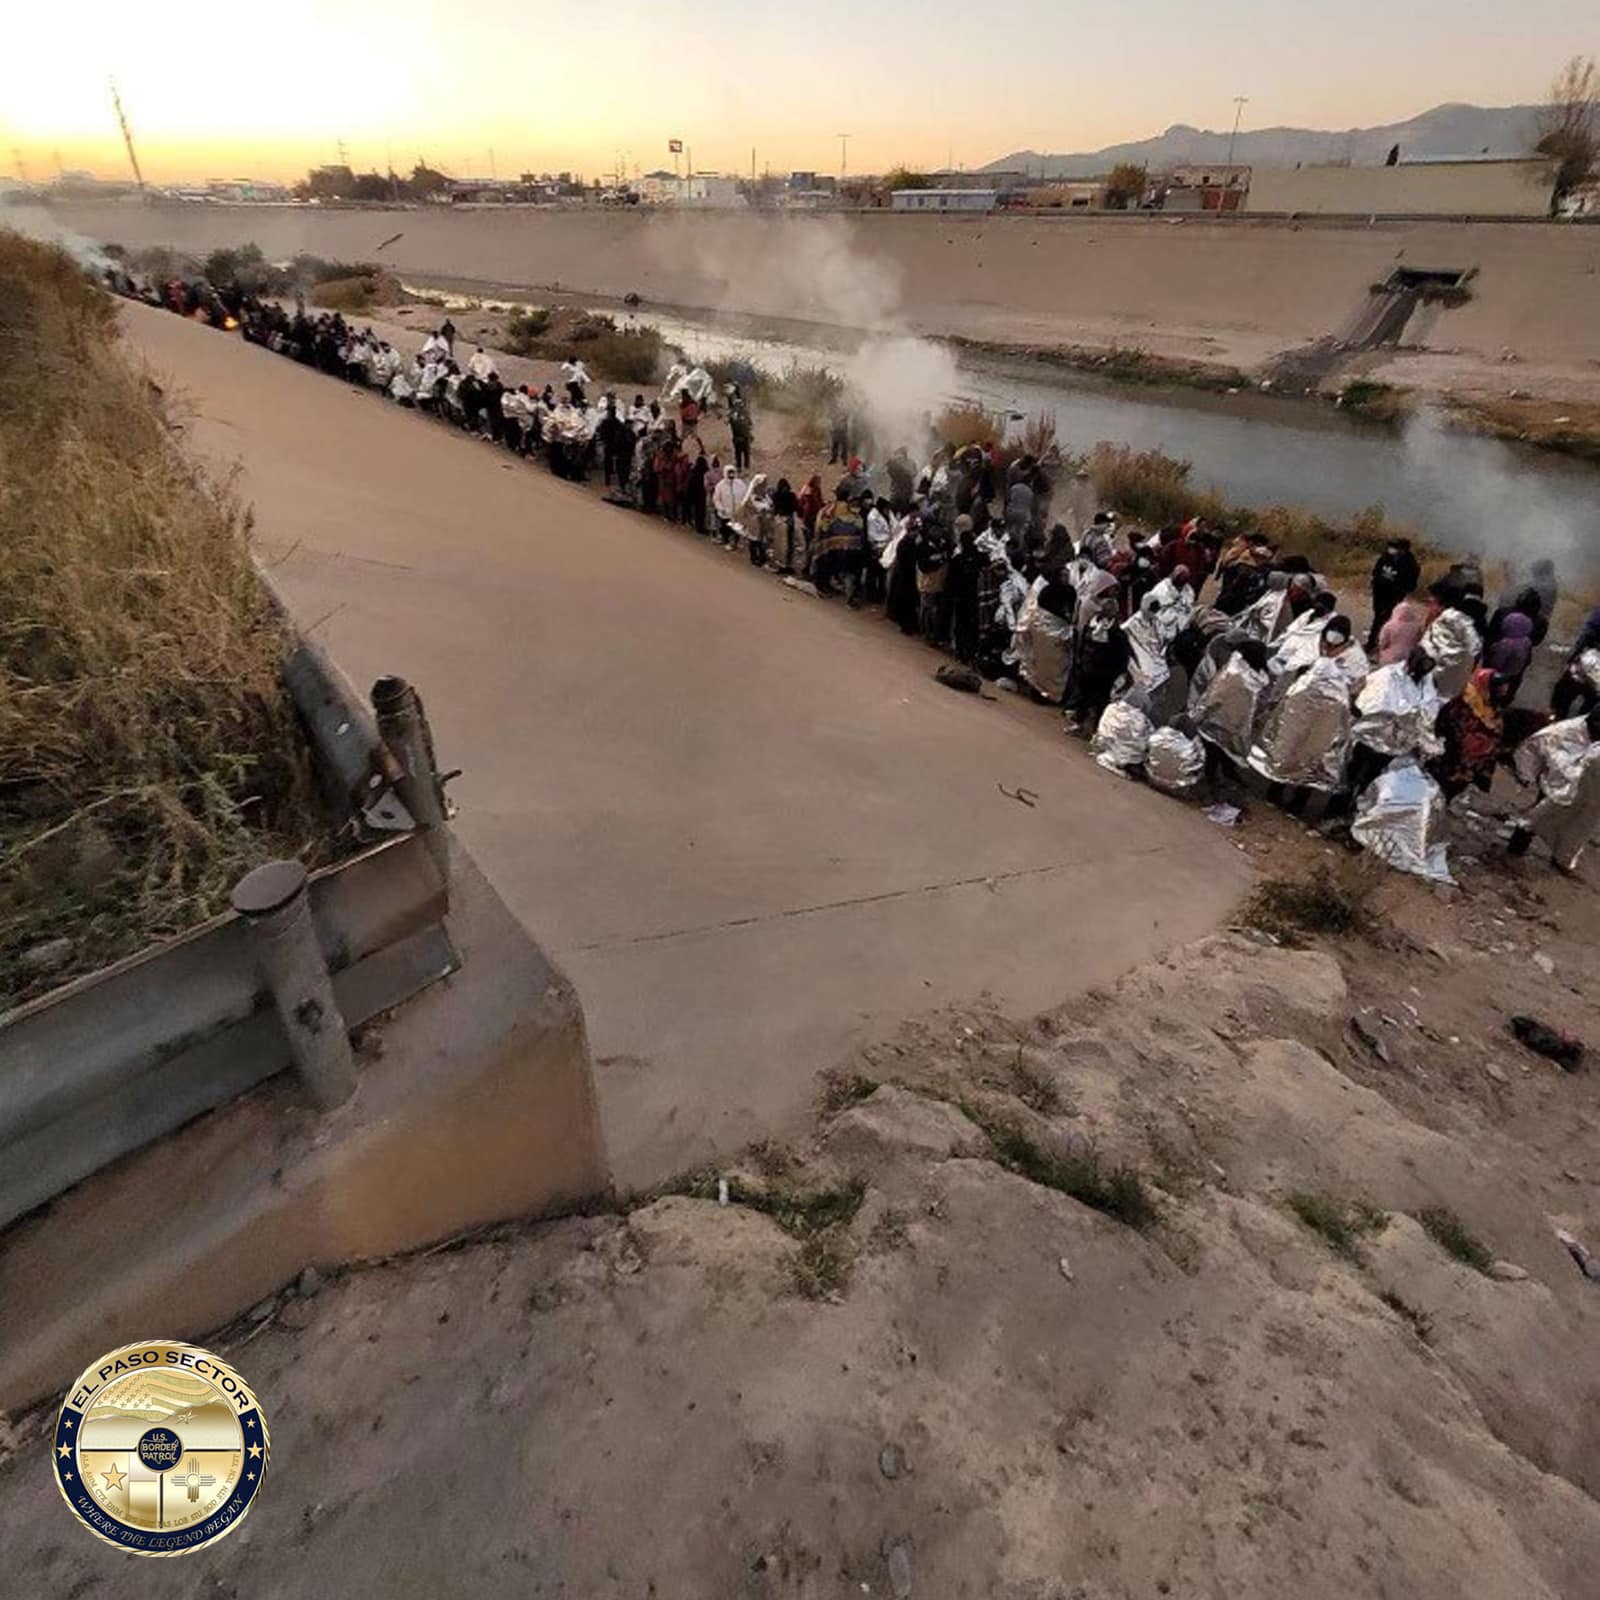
[1115, 1189]
[524, 327]
[1343, 1223]
[1455, 1238]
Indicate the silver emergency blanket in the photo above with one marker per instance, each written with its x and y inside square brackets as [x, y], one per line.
[1174, 608]
[1401, 819]
[1264, 619]
[1556, 759]
[1042, 647]
[1395, 714]
[1226, 714]
[1298, 645]
[1147, 641]
[1091, 584]
[1453, 642]
[1565, 764]
[1174, 762]
[1588, 666]
[1122, 737]
[1304, 738]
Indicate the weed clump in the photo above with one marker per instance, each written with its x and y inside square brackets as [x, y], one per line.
[841, 1090]
[1290, 909]
[1455, 1238]
[1418, 1320]
[1343, 1223]
[1113, 1188]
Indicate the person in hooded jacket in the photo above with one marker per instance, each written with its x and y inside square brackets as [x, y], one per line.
[1395, 574]
[1102, 662]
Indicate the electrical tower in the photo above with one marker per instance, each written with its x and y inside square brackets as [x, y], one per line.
[22, 166]
[127, 138]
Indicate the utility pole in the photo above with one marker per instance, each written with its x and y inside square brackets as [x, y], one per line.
[1240, 101]
[127, 138]
[844, 155]
[344, 160]
[22, 166]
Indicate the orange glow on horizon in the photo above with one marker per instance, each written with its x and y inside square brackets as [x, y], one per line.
[273, 96]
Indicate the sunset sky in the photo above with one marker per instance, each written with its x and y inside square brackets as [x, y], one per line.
[269, 92]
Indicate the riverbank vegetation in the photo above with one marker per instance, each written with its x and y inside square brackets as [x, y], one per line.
[1570, 428]
[148, 755]
[1156, 490]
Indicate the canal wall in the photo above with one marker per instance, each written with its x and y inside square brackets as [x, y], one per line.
[1236, 290]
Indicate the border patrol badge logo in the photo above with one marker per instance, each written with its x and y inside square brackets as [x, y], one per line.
[160, 1448]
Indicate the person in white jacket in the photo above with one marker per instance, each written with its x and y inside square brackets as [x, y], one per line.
[727, 500]
[480, 366]
[577, 380]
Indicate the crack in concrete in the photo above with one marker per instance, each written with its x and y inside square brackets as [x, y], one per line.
[978, 880]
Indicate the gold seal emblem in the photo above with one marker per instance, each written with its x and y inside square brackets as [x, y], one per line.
[160, 1448]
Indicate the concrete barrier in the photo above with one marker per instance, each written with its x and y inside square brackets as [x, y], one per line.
[476, 1104]
[168, 1171]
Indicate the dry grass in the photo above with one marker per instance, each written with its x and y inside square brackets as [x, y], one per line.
[1322, 901]
[358, 293]
[1343, 1223]
[147, 754]
[968, 423]
[1155, 489]
[1565, 426]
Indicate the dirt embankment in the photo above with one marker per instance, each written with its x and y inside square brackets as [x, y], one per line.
[1078, 1305]
[1186, 289]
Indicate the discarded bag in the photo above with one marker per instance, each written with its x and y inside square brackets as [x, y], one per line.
[1542, 1039]
[1174, 762]
[958, 677]
[1401, 819]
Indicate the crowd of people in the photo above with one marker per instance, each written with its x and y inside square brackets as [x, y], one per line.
[1195, 660]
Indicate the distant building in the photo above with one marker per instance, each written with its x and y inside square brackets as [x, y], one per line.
[699, 189]
[1071, 194]
[245, 191]
[944, 199]
[1205, 188]
[999, 181]
[1472, 186]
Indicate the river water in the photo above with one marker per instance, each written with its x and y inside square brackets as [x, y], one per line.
[1465, 492]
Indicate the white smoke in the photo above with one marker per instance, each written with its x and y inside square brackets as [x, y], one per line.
[813, 269]
[901, 380]
[1498, 506]
[37, 223]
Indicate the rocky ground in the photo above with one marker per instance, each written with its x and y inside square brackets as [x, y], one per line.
[1134, 1298]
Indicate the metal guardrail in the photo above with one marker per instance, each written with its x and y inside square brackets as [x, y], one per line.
[113, 1060]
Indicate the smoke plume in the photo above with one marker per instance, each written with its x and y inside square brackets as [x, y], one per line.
[813, 269]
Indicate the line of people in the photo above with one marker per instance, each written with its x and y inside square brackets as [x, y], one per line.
[1264, 682]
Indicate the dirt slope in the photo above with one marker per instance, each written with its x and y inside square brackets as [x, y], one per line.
[1005, 1393]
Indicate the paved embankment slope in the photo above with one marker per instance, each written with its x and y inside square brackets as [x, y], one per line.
[748, 824]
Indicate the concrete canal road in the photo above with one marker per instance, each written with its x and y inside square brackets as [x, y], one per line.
[748, 823]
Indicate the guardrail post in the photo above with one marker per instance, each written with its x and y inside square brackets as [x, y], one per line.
[403, 725]
[272, 899]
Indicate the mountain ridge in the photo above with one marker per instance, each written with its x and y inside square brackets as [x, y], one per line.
[1454, 128]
